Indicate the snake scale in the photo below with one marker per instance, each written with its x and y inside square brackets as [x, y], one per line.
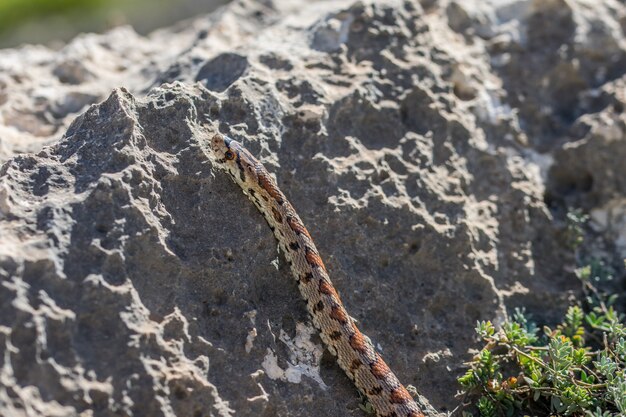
[355, 353]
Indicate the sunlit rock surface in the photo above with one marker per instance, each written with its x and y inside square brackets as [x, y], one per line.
[431, 149]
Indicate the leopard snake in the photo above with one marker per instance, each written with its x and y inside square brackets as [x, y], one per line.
[354, 351]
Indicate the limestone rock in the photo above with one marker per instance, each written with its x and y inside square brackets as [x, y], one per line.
[418, 142]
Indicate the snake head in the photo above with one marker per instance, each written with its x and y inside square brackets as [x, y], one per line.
[221, 146]
[235, 159]
[244, 168]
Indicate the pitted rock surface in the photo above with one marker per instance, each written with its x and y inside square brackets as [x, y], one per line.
[430, 148]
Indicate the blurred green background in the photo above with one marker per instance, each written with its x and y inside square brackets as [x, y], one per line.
[52, 22]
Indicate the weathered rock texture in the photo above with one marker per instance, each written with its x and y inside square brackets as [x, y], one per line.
[430, 148]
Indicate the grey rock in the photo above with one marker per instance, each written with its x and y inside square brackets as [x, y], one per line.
[136, 279]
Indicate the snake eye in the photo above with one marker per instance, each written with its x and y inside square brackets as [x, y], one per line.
[229, 155]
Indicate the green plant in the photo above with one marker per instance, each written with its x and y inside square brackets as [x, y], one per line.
[574, 231]
[555, 373]
[576, 369]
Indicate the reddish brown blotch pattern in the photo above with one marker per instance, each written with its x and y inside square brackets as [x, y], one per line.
[379, 368]
[313, 258]
[266, 182]
[357, 341]
[328, 289]
[297, 227]
[400, 395]
[339, 314]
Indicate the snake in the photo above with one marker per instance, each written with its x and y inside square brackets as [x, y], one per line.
[354, 351]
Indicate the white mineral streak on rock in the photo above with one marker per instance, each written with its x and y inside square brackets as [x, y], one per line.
[304, 357]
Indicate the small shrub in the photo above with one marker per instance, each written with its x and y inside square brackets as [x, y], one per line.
[576, 369]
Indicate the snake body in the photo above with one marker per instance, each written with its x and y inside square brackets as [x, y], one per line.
[355, 353]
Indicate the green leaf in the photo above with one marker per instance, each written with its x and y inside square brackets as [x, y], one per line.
[486, 407]
[485, 329]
